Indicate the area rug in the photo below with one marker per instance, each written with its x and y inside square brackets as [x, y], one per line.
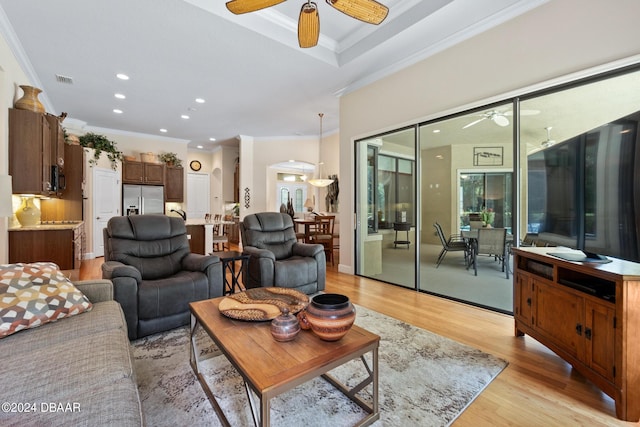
[425, 379]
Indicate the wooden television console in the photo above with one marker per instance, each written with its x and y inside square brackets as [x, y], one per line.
[588, 314]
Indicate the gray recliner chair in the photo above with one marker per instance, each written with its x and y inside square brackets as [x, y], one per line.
[276, 258]
[154, 274]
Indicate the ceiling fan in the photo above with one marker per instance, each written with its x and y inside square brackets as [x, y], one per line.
[549, 142]
[500, 117]
[369, 11]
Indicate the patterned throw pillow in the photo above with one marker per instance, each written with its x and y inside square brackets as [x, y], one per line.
[34, 294]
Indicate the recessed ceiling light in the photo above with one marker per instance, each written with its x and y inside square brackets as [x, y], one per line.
[436, 131]
[117, 111]
[184, 116]
[122, 76]
[163, 130]
[120, 96]
[212, 139]
[200, 100]
[439, 157]
[199, 146]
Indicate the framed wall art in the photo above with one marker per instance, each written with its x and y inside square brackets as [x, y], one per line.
[487, 156]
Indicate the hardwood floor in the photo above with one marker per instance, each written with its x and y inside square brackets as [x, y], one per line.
[536, 389]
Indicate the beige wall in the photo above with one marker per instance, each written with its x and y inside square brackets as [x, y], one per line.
[550, 42]
[268, 152]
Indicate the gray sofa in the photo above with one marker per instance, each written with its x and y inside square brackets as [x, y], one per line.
[276, 258]
[76, 371]
[154, 274]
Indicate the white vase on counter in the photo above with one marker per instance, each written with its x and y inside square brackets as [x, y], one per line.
[28, 213]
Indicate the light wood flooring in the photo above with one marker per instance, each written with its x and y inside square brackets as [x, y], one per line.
[536, 389]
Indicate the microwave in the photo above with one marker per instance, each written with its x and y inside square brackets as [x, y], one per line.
[58, 183]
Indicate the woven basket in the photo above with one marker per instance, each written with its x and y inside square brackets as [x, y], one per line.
[148, 157]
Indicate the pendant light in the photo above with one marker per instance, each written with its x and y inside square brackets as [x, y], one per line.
[320, 182]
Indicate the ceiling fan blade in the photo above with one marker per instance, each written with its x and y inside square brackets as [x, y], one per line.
[369, 11]
[474, 123]
[244, 6]
[500, 120]
[308, 25]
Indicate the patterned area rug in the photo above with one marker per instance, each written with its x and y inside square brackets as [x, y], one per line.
[425, 379]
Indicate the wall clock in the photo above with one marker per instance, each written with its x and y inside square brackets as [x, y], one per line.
[195, 165]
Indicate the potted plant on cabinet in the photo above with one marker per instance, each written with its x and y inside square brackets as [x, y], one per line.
[170, 159]
[101, 143]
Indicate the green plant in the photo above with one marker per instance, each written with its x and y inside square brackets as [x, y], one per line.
[170, 159]
[101, 143]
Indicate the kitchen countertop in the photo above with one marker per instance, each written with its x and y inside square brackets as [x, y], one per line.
[43, 227]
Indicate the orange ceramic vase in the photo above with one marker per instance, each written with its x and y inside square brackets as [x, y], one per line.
[29, 100]
[330, 316]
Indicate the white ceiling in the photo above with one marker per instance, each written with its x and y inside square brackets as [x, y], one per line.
[254, 78]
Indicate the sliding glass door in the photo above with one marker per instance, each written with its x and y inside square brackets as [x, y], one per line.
[466, 174]
[385, 232]
[573, 181]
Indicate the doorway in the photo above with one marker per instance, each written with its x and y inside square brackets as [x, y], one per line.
[106, 204]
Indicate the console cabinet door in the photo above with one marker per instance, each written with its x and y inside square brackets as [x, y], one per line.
[523, 298]
[558, 315]
[600, 338]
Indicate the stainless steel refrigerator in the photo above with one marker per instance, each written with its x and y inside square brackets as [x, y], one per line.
[142, 199]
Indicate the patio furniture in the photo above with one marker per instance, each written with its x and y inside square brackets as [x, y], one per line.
[455, 243]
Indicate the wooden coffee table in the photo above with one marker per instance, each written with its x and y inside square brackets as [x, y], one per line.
[270, 368]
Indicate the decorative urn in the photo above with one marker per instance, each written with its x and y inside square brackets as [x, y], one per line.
[285, 327]
[329, 316]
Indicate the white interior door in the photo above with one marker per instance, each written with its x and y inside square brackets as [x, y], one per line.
[198, 195]
[106, 204]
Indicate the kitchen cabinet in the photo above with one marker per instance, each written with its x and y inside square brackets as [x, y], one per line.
[587, 314]
[173, 184]
[29, 152]
[57, 145]
[63, 244]
[196, 239]
[69, 206]
[142, 173]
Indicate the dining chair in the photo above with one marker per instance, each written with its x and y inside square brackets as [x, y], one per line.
[220, 240]
[321, 232]
[454, 243]
[491, 242]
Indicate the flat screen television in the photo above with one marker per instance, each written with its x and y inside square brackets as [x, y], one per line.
[584, 193]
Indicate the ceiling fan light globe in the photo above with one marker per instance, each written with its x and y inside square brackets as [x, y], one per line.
[500, 120]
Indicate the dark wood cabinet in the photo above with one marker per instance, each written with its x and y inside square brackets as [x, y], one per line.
[173, 184]
[63, 245]
[587, 314]
[57, 145]
[142, 173]
[29, 152]
[69, 205]
[196, 240]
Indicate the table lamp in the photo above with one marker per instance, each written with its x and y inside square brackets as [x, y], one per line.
[6, 203]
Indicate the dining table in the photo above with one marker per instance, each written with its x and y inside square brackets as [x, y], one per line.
[471, 237]
[306, 223]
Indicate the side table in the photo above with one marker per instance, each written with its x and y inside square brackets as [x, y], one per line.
[401, 226]
[229, 259]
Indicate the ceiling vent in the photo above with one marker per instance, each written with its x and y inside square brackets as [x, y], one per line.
[64, 79]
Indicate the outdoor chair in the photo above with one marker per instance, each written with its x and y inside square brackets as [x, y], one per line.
[454, 243]
[491, 242]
